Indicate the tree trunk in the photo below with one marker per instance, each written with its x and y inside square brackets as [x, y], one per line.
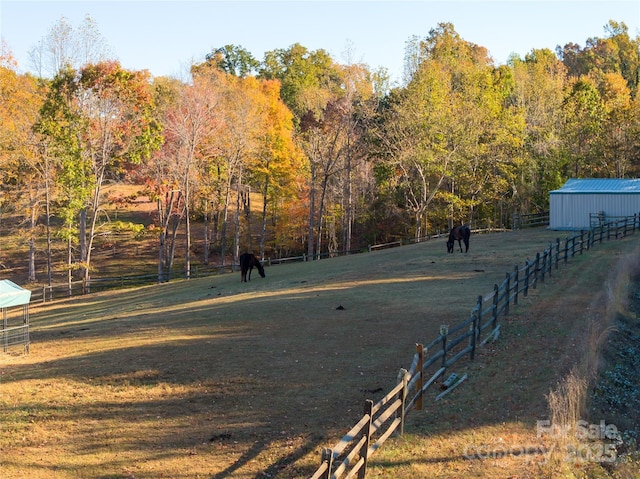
[82, 236]
[32, 245]
[187, 260]
[349, 199]
[263, 229]
[223, 233]
[206, 232]
[48, 226]
[312, 206]
[69, 264]
[325, 182]
[236, 228]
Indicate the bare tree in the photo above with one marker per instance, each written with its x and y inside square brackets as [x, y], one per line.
[65, 46]
[190, 127]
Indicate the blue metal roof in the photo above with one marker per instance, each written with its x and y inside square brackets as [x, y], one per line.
[600, 185]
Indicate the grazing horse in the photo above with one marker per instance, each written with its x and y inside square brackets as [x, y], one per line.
[247, 262]
[460, 233]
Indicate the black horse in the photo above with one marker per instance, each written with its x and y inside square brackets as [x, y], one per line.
[247, 262]
[460, 233]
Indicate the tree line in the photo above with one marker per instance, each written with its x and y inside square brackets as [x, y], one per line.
[335, 156]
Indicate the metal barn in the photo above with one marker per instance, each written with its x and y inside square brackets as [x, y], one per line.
[575, 204]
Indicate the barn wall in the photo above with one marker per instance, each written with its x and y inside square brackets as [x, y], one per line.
[571, 210]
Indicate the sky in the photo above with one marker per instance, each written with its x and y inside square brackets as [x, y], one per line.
[166, 37]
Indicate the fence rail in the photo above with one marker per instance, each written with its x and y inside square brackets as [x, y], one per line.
[530, 220]
[431, 361]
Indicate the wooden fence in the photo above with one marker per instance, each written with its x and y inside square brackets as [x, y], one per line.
[530, 220]
[349, 457]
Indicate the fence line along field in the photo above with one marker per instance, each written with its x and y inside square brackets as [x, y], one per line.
[212, 377]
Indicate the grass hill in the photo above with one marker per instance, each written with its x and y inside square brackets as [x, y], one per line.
[216, 378]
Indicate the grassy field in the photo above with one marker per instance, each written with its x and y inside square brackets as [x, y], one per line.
[213, 378]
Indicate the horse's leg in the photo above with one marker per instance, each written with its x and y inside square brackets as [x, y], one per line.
[460, 245]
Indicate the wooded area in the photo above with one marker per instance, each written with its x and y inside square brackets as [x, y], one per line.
[335, 156]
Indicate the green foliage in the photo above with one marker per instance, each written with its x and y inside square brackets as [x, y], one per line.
[126, 226]
[233, 60]
[306, 77]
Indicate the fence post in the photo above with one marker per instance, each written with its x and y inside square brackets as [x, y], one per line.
[327, 457]
[517, 284]
[566, 249]
[549, 259]
[494, 312]
[479, 325]
[444, 330]
[527, 268]
[535, 269]
[403, 398]
[573, 245]
[364, 450]
[557, 252]
[581, 241]
[420, 352]
[474, 334]
[508, 292]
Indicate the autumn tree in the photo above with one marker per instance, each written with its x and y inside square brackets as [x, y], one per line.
[278, 160]
[312, 87]
[25, 172]
[616, 53]
[449, 133]
[539, 83]
[583, 116]
[99, 123]
[190, 122]
[619, 140]
[361, 94]
[308, 78]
